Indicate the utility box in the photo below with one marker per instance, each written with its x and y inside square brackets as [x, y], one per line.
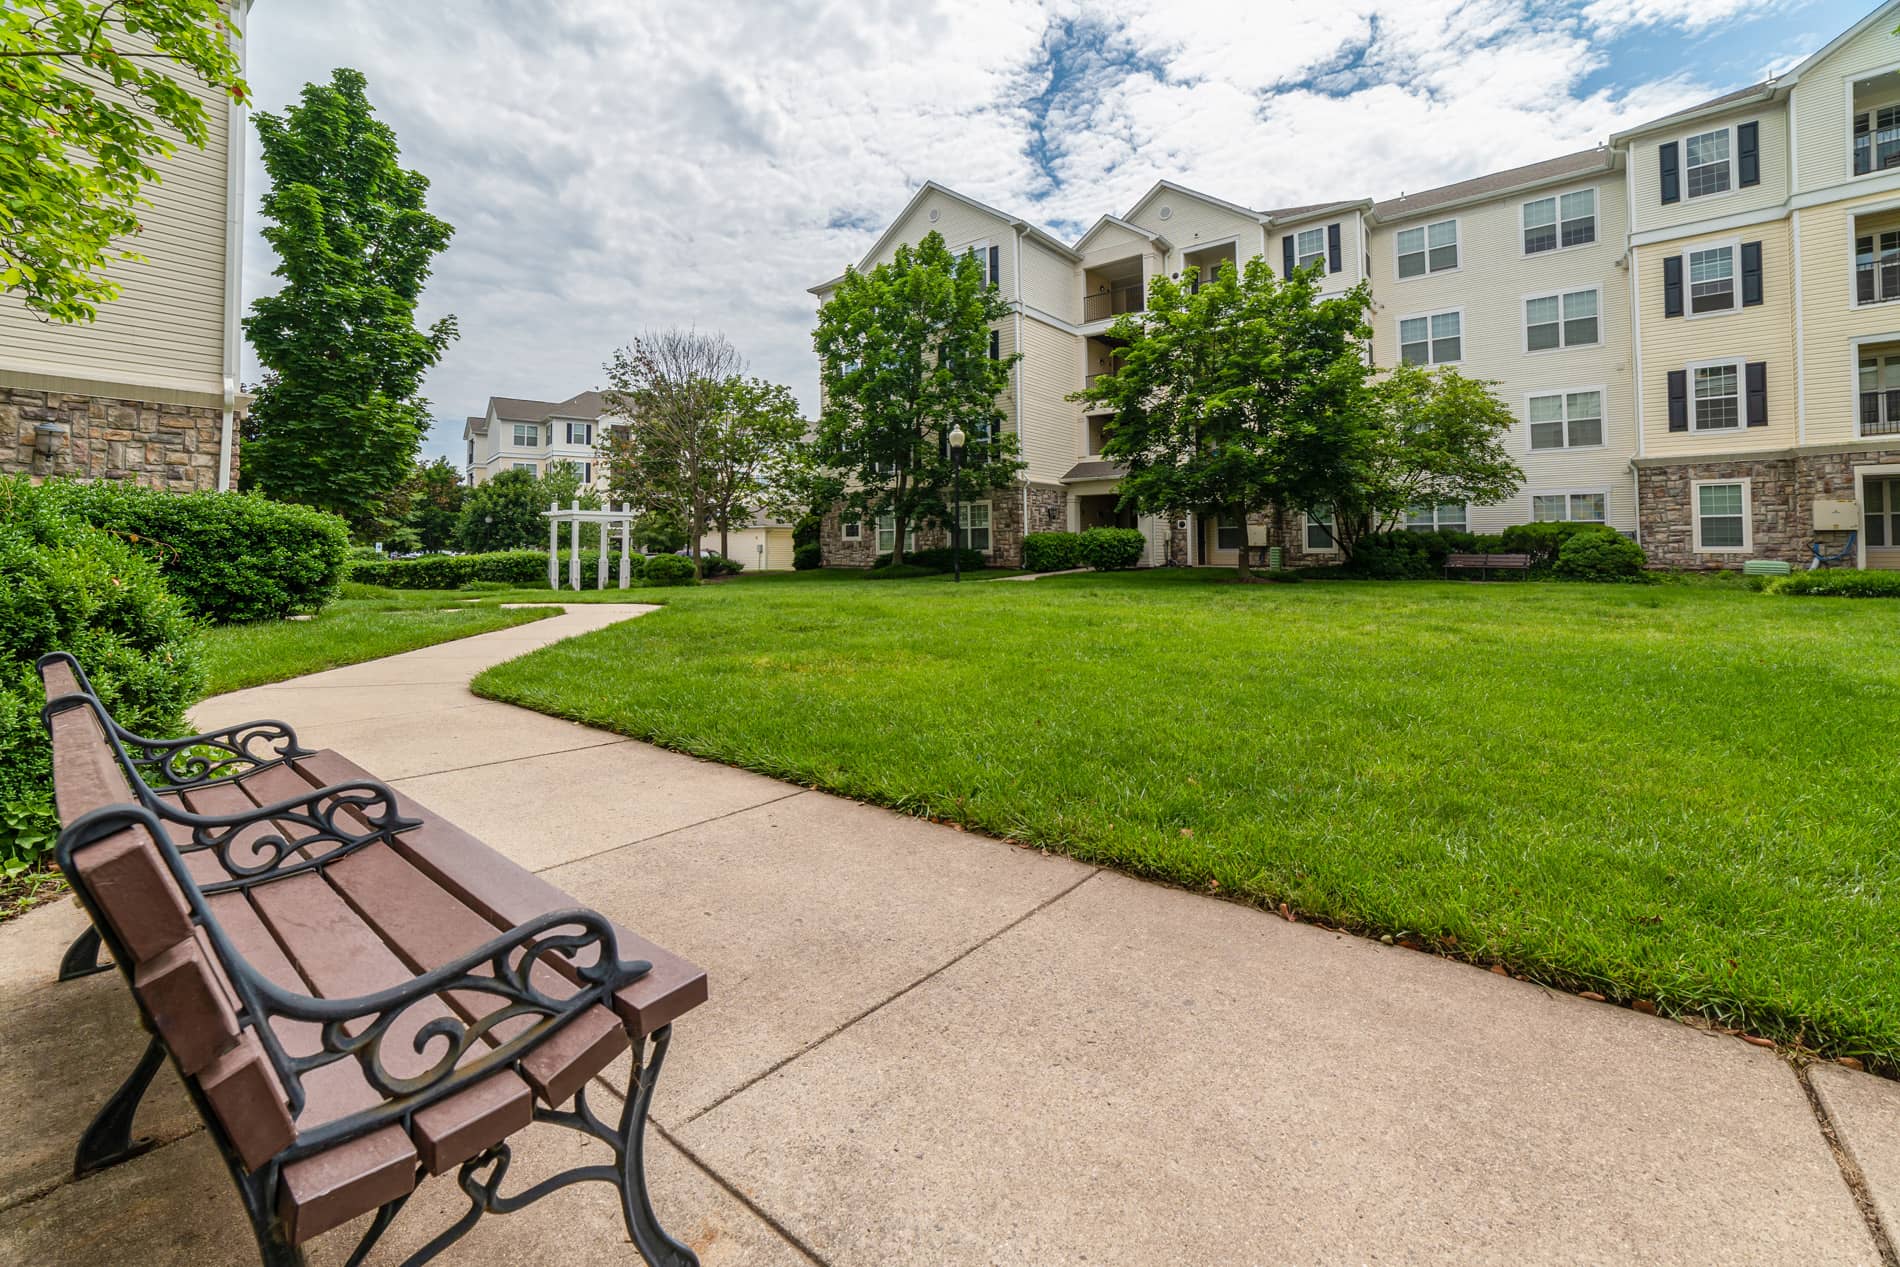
[1257, 536]
[1832, 515]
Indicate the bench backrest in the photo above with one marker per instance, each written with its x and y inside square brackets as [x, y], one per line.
[1487, 560]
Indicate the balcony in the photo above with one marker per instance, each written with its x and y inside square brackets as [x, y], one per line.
[1103, 358]
[1876, 259]
[1876, 122]
[1880, 390]
[1200, 267]
[1112, 290]
[1099, 428]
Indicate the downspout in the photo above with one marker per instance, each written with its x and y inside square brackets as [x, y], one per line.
[1636, 333]
[235, 126]
[1017, 378]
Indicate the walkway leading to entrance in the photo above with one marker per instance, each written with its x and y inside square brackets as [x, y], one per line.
[928, 1047]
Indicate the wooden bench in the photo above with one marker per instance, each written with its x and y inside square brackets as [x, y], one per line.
[1485, 564]
[356, 993]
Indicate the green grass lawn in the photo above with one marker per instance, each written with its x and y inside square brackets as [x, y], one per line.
[1685, 794]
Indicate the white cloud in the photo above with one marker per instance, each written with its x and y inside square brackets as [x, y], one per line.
[611, 166]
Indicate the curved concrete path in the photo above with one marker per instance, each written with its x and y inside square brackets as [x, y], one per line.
[927, 1047]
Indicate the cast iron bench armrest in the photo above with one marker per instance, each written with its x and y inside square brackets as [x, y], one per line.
[342, 816]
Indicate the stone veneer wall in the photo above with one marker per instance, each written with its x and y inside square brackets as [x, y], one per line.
[1782, 490]
[1006, 528]
[173, 447]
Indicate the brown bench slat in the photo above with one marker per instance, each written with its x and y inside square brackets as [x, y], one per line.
[327, 1190]
[59, 679]
[509, 895]
[249, 1100]
[189, 1001]
[134, 888]
[89, 775]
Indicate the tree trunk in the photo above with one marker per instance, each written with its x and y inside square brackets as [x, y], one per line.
[897, 539]
[1240, 514]
[723, 552]
[694, 530]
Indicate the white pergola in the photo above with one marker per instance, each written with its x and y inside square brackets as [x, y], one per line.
[574, 517]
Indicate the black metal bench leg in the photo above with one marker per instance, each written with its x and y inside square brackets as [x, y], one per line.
[108, 1141]
[643, 1225]
[82, 957]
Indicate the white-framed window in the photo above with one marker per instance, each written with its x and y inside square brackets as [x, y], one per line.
[1319, 531]
[1429, 518]
[1229, 535]
[1568, 319]
[580, 433]
[990, 260]
[1565, 420]
[887, 534]
[1705, 161]
[1715, 396]
[975, 518]
[527, 435]
[1712, 279]
[1721, 516]
[851, 530]
[1876, 139]
[1309, 247]
[1877, 267]
[1435, 338]
[1879, 394]
[1428, 248]
[1880, 511]
[1560, 221]
[522, 466]
[1571, 505]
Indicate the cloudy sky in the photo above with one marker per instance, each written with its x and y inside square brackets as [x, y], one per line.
[612, 165]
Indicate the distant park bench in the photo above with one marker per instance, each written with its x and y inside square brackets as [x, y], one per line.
[1485, 564]
[356, 993]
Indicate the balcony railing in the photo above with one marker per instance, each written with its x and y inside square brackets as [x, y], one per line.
[1876, 151]
[1880, 413]
[1878, 281]
[1112, 303]
[1089, 380]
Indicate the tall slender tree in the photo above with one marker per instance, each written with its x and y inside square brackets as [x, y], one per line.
[758, 458]
[339, 418]
[907, 353]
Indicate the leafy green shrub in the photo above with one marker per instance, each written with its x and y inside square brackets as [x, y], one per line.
[898, 572]
[712, 563]
[936, 559]
[358, 590]
[807, 557]
[1110, 549]
[229, 556]
[668, 569]
[66, 586]
[452, 571]
[1405, 555]
[1542, 540]
[1488, 543]
[1838, 583]
[1052, 551]
[1602, 554]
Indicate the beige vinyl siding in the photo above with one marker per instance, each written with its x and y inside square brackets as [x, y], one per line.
[1051, 282]
[1818, 104]
[1761, 333]
[166, 330]
[1830, 319]
[1645, 171]
[1051, 368]
[1493, 279]
[1193, 224]
[1351, 252]
[961, 226]
[759, 549]
[1110, 246]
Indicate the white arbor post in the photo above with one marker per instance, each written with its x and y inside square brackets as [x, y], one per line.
[574, 549]
[626, 545]
[600, 558]
[554, 546]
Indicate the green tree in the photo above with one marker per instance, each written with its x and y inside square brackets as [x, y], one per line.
[658, 532]
[434, 495]
[561, 485]
[758, 457]
[504, 513]
[1242, 396]
[338, 420]
[904, 359]
[1433, 436]
[89, 103]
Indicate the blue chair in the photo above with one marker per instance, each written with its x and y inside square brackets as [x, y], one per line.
[1820, 560]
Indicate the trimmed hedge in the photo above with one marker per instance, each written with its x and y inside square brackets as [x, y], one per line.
[898, 572]
[229, 556]
[807, 557]
[936, 559]
[67, 586]
[1542, 540]
[527, 568]
[1405, 555]
[1111, 549]
[1052, 551]
[668, 569]
[712, 563]
[1602, 554]
[1838, 583]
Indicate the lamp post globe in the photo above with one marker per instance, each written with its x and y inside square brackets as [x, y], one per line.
[957, 439]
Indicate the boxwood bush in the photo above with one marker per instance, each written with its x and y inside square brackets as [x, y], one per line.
[1405, 555]
[1052, 551]
[668, 569]
[712, 563]
[1110, 549]
[808, 556]
[1838, 583]
[229, 556]
[452, 571]
[1542, 540]
[1600, 554]
[67, 586]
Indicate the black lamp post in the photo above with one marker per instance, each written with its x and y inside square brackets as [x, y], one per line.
[956, 493]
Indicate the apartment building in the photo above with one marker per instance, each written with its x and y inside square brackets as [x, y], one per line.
[1691, 323]
[148, 391]
[527, 435]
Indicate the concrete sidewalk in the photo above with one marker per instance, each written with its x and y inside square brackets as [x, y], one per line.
[928, 1047]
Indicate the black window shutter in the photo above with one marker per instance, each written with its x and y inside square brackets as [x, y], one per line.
[1333, 264]
[996, 345]
[1678, 400]
[1751, 273]
[1755, 379]
[1286, 251]
[1748, 152]
[996, 265]
[1671, 173]
[1672, 286]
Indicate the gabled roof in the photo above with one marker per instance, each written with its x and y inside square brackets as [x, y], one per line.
[1530, 176]
[1120, 223]
[1313, 210]
[932, 187]
[1245, 212]
[1766, 90]
[586, 405]
[1882, 13]
[475, 426]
